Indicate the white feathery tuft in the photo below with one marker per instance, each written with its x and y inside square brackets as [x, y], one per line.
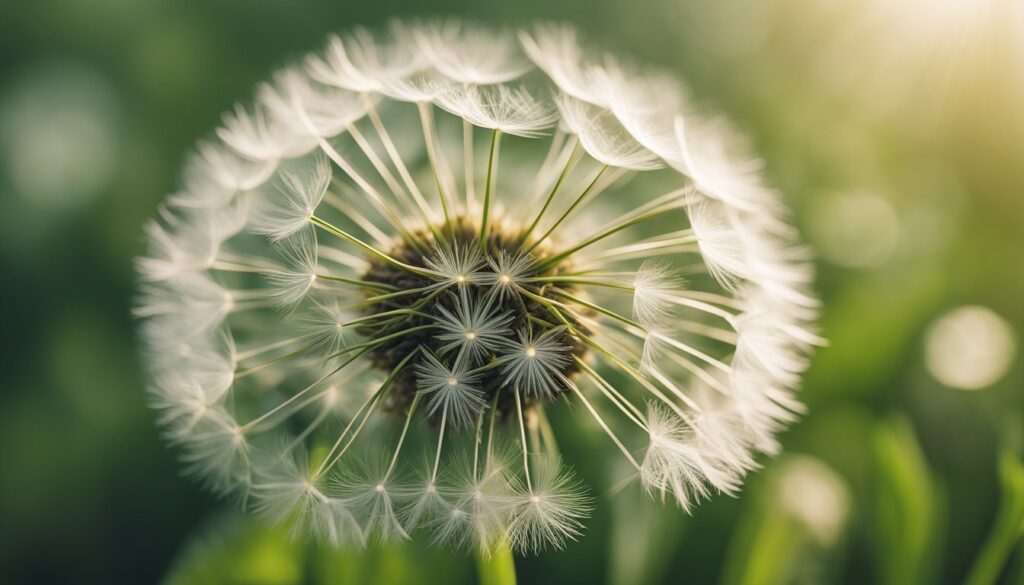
[471, 54]
[215, 174]
[481, 503]
[474, 328]
[678, 463]
[533, 363]
[654, 286]
[551, 511]
[218, 451]
[512, 110]
[720, 242]
[306, 107]
[189, 241]
[363, 63]
[283, 489]
[712, 154]
[369, 491]
[327, 321]
[457, 264]
[426, 503]
[507, 271]
[642, 102]
[555, 50]
[298, 195]
[603, 137]
[262, 137]
[194, 299]
[453, 390]
[290, 285]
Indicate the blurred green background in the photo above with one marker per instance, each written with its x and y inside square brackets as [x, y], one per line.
[895, 127]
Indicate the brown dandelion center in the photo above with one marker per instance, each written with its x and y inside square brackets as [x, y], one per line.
[505, 295]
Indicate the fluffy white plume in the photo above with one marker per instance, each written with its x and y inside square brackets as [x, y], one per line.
[283, 489]
[304, 106]
[551, 510]
[369, 490]
[215, 174]
[512, 110]
[533, 363]
[365, 63]
[471, 54]
[262, 137]
[555, 50]
[452, 390]
[396, 325]
[284, 213]
[473, 328]
[603, 137]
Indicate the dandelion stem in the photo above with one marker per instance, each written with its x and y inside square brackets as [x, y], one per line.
[496, 566]
[489, 187]
[690, 350]
[613, 395]
[551, 195]
[467, 155]
[379, 340]
[396, 159]
[375, 160]
[252, 370]
[522, 439]
[559, 279]
[579, 199]
[370, 405]
[556, 153]
[493, 417]
[604, 425]
[299, 394]
[401, 293]
[351, 212]
[597, 308]
[546, 433]
[244, 355]
[353, 174]
[630, 220]
[440, 442]
[368, 248]
[436, 161]
[401, 438]
[476, 444]
[358, 282]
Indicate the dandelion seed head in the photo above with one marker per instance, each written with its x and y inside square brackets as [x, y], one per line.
[420, 241]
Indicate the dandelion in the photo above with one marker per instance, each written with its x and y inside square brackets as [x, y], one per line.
[346, 284]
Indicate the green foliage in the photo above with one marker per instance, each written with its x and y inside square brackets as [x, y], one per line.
[907, 520]
[233, 549]
[1008, 527]
[497, 569]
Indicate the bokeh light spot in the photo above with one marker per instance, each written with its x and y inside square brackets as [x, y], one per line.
[969, 348]
[58, 135]
[855, 229]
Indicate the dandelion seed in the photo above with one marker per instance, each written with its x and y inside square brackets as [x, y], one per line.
[535, 362]
[453, 389]
[283, 490]
[508, 270]
[369, 490]
[379, 296]
[510, 110]
[475, 328]
[551, 510]
[301, 194]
